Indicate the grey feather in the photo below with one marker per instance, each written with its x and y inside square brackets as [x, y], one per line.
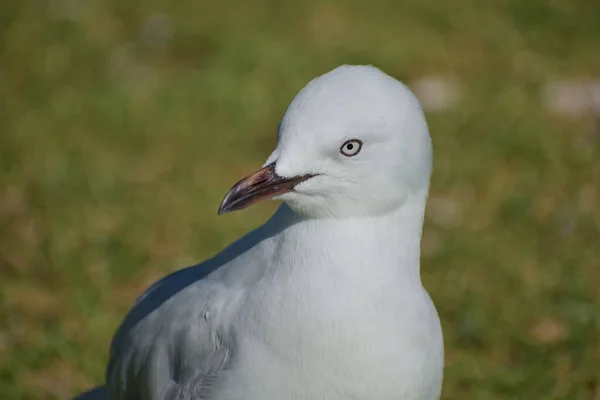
[176, 340]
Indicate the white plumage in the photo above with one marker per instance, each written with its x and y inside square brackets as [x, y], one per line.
[324, 301]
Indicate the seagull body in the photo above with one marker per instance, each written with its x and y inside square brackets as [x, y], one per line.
[322, 302]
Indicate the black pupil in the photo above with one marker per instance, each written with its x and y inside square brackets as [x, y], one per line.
[349, 146]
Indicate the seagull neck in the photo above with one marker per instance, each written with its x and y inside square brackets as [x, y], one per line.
[389, 242]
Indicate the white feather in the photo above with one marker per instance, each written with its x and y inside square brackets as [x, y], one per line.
[324, 301]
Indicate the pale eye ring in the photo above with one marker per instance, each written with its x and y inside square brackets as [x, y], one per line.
[350, 148]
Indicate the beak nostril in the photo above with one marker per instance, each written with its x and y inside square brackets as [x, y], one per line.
[259, 181]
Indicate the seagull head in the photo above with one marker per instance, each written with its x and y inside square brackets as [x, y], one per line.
[352, 143]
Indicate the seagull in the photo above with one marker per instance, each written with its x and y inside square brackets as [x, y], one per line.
[322, 302]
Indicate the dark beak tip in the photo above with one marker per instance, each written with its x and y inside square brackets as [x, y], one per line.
[222, 210]
[225, 206]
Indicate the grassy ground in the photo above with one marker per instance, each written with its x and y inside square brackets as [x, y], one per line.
[122, 124]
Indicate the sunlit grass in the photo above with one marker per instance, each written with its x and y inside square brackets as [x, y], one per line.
[122, 125]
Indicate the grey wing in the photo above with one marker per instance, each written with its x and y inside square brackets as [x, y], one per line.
[174, 341]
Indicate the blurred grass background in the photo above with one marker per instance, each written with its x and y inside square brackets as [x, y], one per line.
[123, 123]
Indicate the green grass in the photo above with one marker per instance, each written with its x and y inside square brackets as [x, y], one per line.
[117, 145]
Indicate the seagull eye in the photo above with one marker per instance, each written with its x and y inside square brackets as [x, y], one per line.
[351, 148]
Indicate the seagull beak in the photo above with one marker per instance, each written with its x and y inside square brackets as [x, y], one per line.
[261, 185]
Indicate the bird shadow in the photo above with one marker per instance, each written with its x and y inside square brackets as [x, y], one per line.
[174, 283]
[98, 393]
